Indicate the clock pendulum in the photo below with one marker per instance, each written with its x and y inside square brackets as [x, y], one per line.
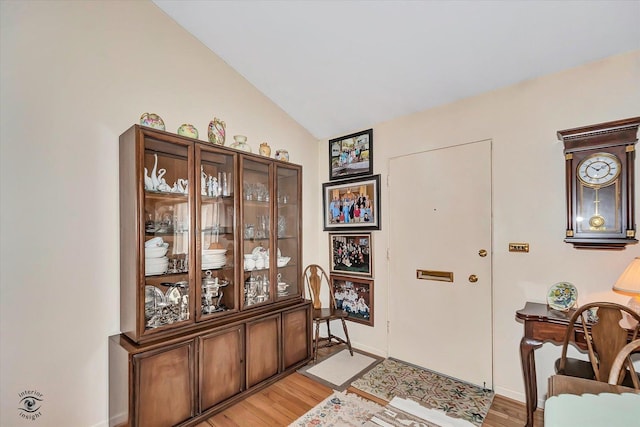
[596, 221]
[597, 171]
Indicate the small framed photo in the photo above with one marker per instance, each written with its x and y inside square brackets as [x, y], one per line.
[352, 204]
[355, 296]
[351, 155]
[351, 254]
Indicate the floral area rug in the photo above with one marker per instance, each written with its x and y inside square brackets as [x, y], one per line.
[455, 398]
[407, 413]
[341, 409]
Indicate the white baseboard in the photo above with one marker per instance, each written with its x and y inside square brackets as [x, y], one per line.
[515, 395]
[368, 349]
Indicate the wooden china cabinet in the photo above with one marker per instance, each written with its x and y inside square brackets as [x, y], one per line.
[211, 303]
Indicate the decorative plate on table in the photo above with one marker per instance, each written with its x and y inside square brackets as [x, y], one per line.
[562, 296]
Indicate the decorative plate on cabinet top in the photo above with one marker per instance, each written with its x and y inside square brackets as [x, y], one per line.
[152, 120]
[562, 296]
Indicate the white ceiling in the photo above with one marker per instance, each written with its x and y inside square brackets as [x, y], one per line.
[341, 66]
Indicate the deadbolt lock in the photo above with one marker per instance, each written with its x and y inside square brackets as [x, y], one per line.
[482, 253]
[473, 278]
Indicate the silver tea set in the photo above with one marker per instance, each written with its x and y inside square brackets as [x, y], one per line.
[165, 309]
[211, 293]
[256, 289]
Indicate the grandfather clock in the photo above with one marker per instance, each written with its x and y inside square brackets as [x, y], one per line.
[600, 184]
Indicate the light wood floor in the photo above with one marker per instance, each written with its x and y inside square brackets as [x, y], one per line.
[286, 400]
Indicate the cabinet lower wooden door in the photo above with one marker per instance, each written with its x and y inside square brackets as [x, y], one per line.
[221, 366]
[165, 384]
[296, 328]
[262, 349]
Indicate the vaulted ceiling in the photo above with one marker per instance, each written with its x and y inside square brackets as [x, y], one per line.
[342, 66]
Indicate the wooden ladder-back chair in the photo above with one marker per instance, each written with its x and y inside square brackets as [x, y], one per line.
[605, 337]
[624, 359]
[315, 278]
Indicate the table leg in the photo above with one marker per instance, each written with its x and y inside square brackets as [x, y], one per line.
[527, 347]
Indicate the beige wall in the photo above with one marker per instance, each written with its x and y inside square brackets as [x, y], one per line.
[74, 76]
[528, 194]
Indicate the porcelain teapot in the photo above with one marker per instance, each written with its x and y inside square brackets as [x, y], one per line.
[265, 150]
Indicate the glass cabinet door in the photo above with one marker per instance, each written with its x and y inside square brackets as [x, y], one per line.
[287, 218]
[256, 229]
[215, 197]
[167, 225]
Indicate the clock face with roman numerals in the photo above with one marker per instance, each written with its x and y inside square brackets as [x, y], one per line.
[599, 169]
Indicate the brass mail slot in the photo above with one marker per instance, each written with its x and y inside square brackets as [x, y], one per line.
[441, 276]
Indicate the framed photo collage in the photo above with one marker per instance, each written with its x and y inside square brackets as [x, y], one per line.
[351, 210]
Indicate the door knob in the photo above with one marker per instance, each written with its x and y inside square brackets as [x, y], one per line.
[473, 278]
[482, 253]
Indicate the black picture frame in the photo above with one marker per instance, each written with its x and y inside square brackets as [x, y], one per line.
[351, 155]
[340, 200]
[351, 253]
[355, 296]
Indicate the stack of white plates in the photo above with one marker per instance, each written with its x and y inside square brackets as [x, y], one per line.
[154, 266]
[156, 251]
[155, 261]
[213, 258]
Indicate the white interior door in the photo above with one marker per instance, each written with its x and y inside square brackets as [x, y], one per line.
[440, 221]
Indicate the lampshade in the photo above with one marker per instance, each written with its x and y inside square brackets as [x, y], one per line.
[629, 284]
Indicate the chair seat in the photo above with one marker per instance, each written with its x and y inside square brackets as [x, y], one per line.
[576, 368]
[628, 381]
[583, 369]
[329, 314]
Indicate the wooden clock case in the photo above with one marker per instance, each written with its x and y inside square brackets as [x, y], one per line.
[617, 138]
